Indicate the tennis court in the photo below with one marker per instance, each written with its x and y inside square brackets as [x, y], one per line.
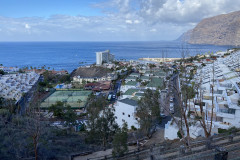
[74, 98]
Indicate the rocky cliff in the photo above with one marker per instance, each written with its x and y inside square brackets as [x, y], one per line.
[219, 30]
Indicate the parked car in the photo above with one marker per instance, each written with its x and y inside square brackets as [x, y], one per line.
[163, 116]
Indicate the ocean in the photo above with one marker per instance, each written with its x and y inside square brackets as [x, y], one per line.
[70, 55]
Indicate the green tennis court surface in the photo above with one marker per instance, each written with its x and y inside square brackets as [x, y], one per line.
[74, 98]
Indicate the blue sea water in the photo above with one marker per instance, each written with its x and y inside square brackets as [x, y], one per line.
[69, 55]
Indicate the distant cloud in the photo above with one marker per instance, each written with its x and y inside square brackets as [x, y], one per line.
[129, 21]
[153, 30]
[122, 20]
[185, 11]
[136, 21]
[27, 26]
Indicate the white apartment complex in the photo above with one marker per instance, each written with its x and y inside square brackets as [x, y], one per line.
[9, 69]
[104, 57]
[12, 86]
[224, 98]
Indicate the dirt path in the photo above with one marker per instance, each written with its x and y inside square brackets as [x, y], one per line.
[99, 154]
[157, 137]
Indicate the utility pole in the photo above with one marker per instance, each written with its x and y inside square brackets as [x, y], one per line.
[213, 72]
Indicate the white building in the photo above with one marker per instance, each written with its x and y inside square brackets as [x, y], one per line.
[223, 101]
[104, 57]
[12, 86]
[125, 110]
[226, 91]
[171, 129]
[109, 77]
[221, 104]
[129, 85]
[9, 69]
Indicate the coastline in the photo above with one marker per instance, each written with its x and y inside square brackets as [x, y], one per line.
[70, 55]
[159, 59]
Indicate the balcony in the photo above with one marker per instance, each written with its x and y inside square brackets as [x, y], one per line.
[225, 115]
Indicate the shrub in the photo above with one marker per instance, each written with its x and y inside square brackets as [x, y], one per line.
[179, 134]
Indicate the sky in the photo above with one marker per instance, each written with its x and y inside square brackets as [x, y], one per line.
[105, 20]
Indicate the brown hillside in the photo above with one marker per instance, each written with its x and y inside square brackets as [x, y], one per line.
[219, 30]
[91, 72]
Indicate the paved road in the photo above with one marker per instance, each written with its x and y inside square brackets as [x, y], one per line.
[176, 91]
[117, 86]
[166, 101]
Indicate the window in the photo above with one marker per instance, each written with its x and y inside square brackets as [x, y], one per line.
[129, 115]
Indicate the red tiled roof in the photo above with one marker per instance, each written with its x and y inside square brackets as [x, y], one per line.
[98, 86]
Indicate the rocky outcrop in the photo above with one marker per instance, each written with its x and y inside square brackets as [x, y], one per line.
[219, 30]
